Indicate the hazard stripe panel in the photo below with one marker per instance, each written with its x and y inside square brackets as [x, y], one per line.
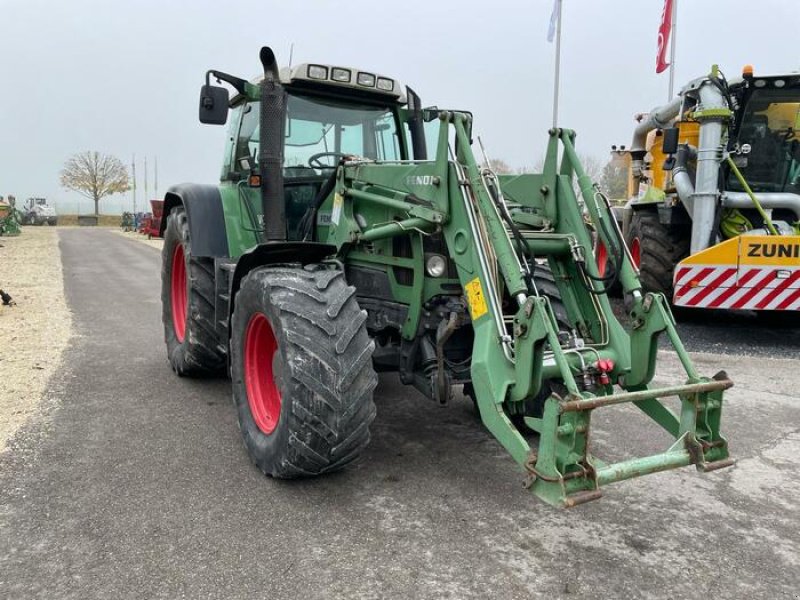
[745, 288]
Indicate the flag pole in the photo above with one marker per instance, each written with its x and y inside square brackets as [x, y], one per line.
[133, 181]
[672, 49]
[558, 65]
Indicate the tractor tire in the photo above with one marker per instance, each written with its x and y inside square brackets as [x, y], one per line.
[188, 303]
[546, 284]
[656, 249]
[301, 365]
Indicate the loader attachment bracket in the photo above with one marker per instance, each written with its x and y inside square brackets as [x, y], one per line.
[563, 472]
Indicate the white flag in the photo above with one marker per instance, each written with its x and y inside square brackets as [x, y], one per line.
[551, 32]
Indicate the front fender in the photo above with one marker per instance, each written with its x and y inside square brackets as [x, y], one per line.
[276, 253]
[203, 206]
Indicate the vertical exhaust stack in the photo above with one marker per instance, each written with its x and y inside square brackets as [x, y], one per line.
[270, 158]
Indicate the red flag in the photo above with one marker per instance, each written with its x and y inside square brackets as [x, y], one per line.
[663, 37]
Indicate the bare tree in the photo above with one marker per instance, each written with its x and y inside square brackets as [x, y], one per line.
[500, 166]
[95, 176]
[593, 166]
[614, 180]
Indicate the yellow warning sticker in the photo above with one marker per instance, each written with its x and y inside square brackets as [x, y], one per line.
[476, 299]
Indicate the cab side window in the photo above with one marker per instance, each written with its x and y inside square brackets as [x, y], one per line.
[247, 139]
[386, 142]
[234, 120]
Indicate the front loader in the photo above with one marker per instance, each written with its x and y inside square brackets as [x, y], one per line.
[353, 231]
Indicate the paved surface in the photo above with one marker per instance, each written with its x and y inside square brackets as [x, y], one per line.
[135, 485]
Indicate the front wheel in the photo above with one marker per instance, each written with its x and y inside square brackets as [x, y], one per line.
[301, 365]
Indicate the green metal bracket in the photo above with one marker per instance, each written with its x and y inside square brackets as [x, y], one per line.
[651, 317]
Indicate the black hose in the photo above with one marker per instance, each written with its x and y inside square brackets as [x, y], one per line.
[306, 227]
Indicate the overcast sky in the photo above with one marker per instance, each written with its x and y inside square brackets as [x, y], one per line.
[122, 77]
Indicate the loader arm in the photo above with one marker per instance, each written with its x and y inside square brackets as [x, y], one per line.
[496, 230]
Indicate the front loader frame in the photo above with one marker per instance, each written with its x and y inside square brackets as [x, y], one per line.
[517, 342]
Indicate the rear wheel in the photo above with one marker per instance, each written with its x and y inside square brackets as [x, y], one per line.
[187, 300]
[301, 364]
[656, 249]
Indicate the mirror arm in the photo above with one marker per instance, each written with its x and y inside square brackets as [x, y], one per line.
[239, 84]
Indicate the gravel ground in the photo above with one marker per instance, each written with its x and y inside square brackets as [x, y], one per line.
[35, 332]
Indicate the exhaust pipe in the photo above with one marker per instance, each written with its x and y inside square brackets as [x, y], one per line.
[767, 200]
[270, 160]
[680, 176]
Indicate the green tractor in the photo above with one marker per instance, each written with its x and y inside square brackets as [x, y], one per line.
[353, 231]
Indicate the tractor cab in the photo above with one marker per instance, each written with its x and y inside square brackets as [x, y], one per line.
[767, 131]
[321, 116]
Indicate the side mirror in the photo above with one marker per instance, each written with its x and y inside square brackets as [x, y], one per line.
[670, 142]
[430, 113]
[213, 105]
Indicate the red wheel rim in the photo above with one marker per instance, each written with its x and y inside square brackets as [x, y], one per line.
[178, 296]
[602, 258]
[263, 395]
[636, 252]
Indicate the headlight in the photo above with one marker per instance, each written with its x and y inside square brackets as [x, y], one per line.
[317, 72]
[387, 85]
[436, 265]
[340, 75]
[366, 79]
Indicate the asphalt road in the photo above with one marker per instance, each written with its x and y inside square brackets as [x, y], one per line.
[134, 484]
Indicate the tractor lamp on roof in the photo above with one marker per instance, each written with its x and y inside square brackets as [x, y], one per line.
[366, 79]
[387, 85]
[340, 75]
[317, 72]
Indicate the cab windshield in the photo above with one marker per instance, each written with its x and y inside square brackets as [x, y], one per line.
[320, 131]
[771, 127]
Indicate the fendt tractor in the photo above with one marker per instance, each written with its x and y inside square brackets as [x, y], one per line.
[342, 240]
[715, 179]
